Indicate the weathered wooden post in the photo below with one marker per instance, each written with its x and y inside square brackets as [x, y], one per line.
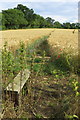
[17, 86]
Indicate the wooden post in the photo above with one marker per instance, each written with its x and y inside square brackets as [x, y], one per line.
[19, 82]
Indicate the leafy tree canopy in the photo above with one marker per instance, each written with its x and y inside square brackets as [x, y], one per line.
[13, 18]
[23, 17]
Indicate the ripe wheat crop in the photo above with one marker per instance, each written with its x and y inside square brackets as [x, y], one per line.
[13, 37]
[64, 46]
[65, 39]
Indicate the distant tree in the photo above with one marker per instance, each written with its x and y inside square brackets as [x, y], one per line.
[0, 21]
[77, 25]
[50, 22]
[67, 25]
[28, 13]
[23, 17]
[57, 24]
[14, 19]
[39, 22]
[73, 26]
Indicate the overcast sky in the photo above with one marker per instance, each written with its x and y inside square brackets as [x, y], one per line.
[60, 10]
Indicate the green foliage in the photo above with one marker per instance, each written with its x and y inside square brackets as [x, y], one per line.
[71, 117]
[58, 67]
[28, 13]
[50, 22]
[37, 60]
[0, 21]
[36, 67]
[38, 116]
[13, 19]
[7, 66]
[22, 56]
[12, 63]
[75, 85]
[67, 25]
[57, 25]
[23, 17]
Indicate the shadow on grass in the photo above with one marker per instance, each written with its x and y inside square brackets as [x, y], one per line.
[54, 62]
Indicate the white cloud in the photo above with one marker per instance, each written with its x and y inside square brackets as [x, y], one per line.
[40, 1]
[57, 18]
[58, 10]
[5, 6]
[62, 19]
[35, 6]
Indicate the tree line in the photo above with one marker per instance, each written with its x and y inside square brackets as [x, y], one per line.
[22, 17]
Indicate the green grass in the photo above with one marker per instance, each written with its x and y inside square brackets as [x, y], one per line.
[60, 67]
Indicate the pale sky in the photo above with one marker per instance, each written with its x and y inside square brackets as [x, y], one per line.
[60, 10]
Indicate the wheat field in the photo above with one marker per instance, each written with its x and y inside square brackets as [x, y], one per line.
[61, 38]
[13, 37]
[65, 39]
